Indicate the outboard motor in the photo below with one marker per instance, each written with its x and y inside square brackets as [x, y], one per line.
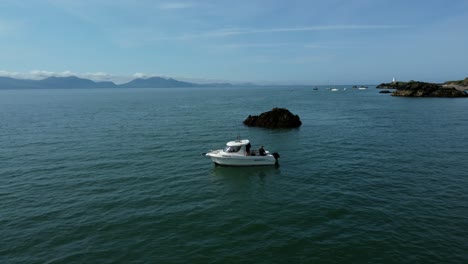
[276, 155]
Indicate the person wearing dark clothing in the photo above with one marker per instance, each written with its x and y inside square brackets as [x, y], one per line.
[247, 149]
[261, 151]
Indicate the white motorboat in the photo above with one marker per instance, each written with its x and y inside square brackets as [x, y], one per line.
[238, 153]
[362, 88]
[334, 89]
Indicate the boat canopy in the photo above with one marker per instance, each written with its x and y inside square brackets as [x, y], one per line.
[238, 143]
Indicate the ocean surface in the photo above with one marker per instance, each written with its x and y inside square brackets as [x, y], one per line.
[118, 176]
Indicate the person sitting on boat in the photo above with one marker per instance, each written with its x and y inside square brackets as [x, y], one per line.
[247, 149]
[261, 151]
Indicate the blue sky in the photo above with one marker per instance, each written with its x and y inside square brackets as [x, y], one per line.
[300, 42]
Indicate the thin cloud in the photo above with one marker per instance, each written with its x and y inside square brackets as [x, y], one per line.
[17, 75]
[175, 5]
[314, 46]
[256, 45]
[230, 32]
[9, 26]
[333, 27]
[321, 45]
[340, 45]
[227, 32]
[309, 59]
[145, 75]
[34, 74]
[102, 76]
[42, 74]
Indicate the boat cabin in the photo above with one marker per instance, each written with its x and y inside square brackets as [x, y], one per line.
[236, 146]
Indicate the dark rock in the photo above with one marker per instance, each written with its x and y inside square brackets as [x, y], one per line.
[385, 91]
[392, 85]
[276, 118]
[422, 89]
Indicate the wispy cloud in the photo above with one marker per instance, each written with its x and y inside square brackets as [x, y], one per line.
[314, 46]
[256, 45]
[95, 76]
[175, 5]
[145, 75]
[333, 45]
[309, 59]
[101, 76]
[8, 26]
[42, 74]
[320, 45]
[35, 74]
[17, 75]
[227, 32]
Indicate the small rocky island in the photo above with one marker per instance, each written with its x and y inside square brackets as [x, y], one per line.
[423, 89]
[276, 118]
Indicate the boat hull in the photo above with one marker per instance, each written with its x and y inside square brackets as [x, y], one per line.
[240, 160]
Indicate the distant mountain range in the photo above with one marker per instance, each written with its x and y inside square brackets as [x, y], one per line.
[76, 82]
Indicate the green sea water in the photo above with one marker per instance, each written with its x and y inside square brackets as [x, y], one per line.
[117, 176]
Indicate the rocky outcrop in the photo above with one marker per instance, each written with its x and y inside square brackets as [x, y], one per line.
[276, 118]
[392, 85]
[385, 91]
[422, 89]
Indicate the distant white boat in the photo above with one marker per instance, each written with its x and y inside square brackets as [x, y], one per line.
[334, 89]
[344, 89]
[362, 88]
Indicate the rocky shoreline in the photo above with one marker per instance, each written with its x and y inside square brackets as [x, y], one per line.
[423, 89]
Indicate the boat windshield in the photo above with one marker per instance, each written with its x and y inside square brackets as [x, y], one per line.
[232, 149]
